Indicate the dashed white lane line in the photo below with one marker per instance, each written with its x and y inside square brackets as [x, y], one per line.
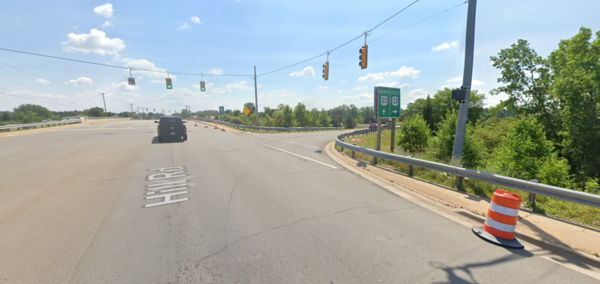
[304, 145]
[303, 157]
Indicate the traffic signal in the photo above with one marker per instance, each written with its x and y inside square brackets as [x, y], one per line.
[169, 84]
[131, 81]
[326, 71]
[363, 57]
[202, 86]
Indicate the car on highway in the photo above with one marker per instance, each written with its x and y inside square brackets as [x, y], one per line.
[171, 127]
[373, 125]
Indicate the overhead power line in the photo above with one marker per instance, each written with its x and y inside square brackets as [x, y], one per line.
[367, 32]
[114, 66]
[23, 97]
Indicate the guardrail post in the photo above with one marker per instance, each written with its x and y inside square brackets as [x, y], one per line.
[410, 169]
[353, 152]
[459, 180]
[533, 195]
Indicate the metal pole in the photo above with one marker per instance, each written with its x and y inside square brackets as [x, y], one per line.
[105, 113]
[256, 96]
[461, 124]
[393, 134]
[378, 139]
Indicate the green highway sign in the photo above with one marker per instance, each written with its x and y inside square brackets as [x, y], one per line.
[387, 102]
[221, 110]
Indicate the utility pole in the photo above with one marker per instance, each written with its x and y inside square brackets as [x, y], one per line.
[463, 111]
[255, 96]
[105, 113]
[131, 107]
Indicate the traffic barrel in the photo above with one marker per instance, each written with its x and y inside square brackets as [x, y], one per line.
[501, 220]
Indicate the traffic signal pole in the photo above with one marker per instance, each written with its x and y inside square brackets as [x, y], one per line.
[463, 111]
[256, 96]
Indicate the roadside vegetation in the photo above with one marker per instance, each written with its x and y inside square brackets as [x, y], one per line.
[547, 130]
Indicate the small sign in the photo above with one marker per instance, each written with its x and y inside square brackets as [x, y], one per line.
[387, 102]
[246, 111]
[131, 81]
[221, 110]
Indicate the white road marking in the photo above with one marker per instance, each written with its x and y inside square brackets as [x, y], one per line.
[305, 145]
[134, 125]
[96, 129]
[263, 136]
[103, 126]
[168, 189]
[303, 157]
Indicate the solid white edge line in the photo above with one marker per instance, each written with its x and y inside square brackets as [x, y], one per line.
[307, 158]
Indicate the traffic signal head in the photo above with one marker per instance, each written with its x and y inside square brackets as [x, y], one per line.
[363, 57]
[202, 86]
[326, 71]
[169, 84]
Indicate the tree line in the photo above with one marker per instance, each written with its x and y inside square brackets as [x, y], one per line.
[547, 129]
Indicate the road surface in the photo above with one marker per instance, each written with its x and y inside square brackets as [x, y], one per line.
[107, 203]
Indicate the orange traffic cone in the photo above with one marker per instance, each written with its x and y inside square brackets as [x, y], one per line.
[216, 126]
[195, 123]
[501, 222]
[223, 127]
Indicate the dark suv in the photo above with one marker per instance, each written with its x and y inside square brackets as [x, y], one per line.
[171, 127]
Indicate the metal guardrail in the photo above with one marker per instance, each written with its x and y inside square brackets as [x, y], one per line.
[288, 129]
[527, 186]
[13, 127]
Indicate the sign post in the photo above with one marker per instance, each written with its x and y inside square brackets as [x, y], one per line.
[221, 110]
[387, 105]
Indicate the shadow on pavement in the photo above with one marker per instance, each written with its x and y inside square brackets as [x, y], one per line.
[172, 140]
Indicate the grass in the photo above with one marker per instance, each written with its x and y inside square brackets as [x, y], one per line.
[556, 208]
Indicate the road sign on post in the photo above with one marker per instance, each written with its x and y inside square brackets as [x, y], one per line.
[221, 110]
[387, 102]
[246, 111]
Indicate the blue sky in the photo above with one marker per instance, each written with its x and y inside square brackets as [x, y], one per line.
[231, 37]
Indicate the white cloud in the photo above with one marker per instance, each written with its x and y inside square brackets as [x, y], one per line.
[372, 77]
[359, 100]
[42, 81]
[195, 20]
[340, 91]
[343, 82]
[94, 42]
[323, 88]
[405, 72]
[402, 72]
[227, 89]
[417, 93]
[155, 74]
[216, 72]
[81, 81]
[404, 86]
[445, 45]
[105, 10]
[363, 88]
[185, 26]
[459, 79]
[124, 87]
[306, 72]
[443, 87]
[107, 24]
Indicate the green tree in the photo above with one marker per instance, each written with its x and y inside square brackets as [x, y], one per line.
[576, 69]
[287, 116]
[300, 117]
[367, 114]
[250, 106]
[428, 113]
[472, 156]
[323, 119]
[28, 113]
[349, 122]
[414, 135]
[96, 112]
[527, 80]
[524, 150]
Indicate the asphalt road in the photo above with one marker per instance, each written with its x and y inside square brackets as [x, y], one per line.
[109, 204]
